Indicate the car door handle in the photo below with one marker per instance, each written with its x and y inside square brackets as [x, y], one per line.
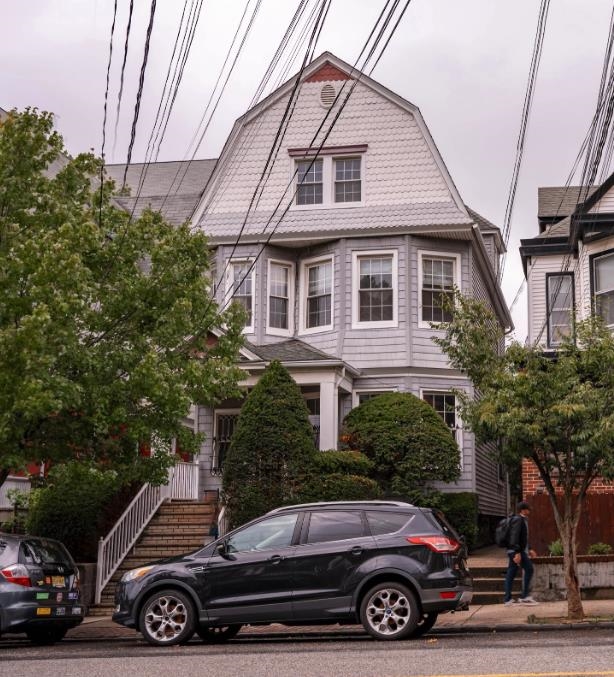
[275, 559]
[356, 550]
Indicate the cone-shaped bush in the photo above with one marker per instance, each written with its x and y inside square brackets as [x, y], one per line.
[407, 440]
[271, 448]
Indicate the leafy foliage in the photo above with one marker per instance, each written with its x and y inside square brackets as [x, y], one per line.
[338, 487]
[410, 445]
[556, 411]
[461, 510]
[341, 462]
[72, 505]
[105, 319]
[599, 549]
[271, 448]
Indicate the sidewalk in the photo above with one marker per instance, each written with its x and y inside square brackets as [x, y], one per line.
[485, 618]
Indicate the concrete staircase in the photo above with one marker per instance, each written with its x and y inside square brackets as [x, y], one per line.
[488, 567]
[178, 527]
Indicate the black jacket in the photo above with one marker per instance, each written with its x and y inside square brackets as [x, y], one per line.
[518, 534]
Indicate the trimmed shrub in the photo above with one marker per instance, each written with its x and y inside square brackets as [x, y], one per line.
[461, 510]
[339, 487]
[410, 445]
[342, 462]
[271, 449]
[71, 507]
[600, 549]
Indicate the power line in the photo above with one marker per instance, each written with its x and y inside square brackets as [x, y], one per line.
[121, 77]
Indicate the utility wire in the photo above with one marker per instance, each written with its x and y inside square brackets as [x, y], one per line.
[121, 77]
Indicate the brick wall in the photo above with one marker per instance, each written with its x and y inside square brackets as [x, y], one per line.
[532, 483]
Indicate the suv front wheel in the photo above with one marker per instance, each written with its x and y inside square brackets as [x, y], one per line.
[389, 611]
[167, 618]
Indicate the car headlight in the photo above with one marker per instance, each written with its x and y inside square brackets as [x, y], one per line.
[133, 574]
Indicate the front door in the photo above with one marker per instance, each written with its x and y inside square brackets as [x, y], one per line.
[252, 580]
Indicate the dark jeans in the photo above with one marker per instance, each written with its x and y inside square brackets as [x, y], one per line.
[512, 570]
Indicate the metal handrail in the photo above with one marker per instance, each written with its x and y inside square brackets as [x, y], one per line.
[182, 483]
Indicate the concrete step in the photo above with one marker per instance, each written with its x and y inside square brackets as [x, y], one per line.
[493, 584]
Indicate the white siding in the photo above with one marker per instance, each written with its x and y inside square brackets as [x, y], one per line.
[605, 205]
[583, 295]
[388, 176]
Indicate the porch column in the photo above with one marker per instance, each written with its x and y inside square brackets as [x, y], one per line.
[329, 415]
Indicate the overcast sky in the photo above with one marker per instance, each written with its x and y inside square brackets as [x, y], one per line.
[464, 63]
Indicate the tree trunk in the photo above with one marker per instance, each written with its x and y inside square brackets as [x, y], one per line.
[4, 473]
[575, 611]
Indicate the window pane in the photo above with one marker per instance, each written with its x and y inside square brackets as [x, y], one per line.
[437, 289]
[560, 307]
[275, 532]
[309, 182]
[605, 307]
[278, 313]
[278, 296]
[334, 525]
[318, 311]
[604, 273]
[347, 180]
[445, 405]
[386, 522]
[319, 288]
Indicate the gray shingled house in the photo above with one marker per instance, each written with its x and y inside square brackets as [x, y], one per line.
[342, 282]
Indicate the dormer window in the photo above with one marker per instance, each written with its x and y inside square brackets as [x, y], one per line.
[328, 177]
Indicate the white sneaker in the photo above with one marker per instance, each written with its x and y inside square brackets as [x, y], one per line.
[529, 601]
[510, 602]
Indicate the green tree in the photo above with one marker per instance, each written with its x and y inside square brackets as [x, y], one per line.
[407, 440]
[105, 319]
[556, 411]
[271, 448]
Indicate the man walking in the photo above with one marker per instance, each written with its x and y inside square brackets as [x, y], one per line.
[519, 555]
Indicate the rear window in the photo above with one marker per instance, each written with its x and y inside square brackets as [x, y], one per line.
[386, 522]
[439, 518]
[41, 552]
[334, 525]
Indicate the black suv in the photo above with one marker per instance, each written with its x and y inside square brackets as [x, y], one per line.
[391, 566]
[39, 588]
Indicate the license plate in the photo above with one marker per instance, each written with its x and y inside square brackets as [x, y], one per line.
[76, 610]
[43, 611]
[58, 581]
[60, 611]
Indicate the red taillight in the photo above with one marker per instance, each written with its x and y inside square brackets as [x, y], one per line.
[17, 574]
[448, 595]
[435, 543]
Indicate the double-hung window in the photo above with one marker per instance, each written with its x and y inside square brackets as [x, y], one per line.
[603, 286]
[444, 403]
[330, 177]
[317, 295]
[309, 189]
[241, 289]
[347, 180]
[438, 278]
[375, 289]
[280, 298]
[560, 306]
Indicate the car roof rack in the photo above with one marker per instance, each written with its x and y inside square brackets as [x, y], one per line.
[339, 504]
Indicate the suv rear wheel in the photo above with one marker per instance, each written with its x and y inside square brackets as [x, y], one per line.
[167, 618]
[426, 622]
[389, 611]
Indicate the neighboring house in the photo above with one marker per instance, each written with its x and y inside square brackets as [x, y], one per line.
[569, 267]
[344, 287]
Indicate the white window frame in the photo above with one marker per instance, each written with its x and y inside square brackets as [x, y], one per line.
[304, 288]
[373, 253]
[606, 291]
[551, 279]
[458, 427]
[427, 254]
[328, 181]
[278, 331]
[230, 283]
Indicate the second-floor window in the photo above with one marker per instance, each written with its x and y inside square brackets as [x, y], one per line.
[242, 289]
[330, 180]
[280, 297]
[560, 305]
[318, 285]
[603, 287]
[347, 180]
[438, 279]
[375, 289]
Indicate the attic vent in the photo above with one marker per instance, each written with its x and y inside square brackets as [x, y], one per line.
[327, 96]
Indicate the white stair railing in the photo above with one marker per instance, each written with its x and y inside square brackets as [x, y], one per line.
[182, 484]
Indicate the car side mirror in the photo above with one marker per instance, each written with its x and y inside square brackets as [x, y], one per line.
[222, 549]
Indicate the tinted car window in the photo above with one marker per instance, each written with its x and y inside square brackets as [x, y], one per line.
[42, 552]
[386, 522]
[275, 532]
[334, 525]
[443, 524]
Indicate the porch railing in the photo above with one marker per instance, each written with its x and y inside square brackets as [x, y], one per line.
[182, 484]
[222, 522]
